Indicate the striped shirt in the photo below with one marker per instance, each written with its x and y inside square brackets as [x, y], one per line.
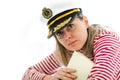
[106, 59]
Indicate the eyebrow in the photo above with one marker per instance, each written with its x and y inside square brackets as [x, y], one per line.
[68, 24]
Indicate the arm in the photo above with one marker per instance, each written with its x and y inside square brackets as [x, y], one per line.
[106, 58]
[43, 69]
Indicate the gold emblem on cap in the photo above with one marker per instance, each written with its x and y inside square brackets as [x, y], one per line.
[47, 13]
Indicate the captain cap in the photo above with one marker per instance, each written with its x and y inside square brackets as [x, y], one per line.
[59, 14]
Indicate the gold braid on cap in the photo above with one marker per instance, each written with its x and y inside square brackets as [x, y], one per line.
[70, 12]
[46, 12]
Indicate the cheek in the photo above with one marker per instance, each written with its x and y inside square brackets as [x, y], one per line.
[62, 42]
[80, 34]
[82, 37]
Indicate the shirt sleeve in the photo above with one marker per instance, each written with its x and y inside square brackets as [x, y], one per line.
[47, 66]
[106, 58]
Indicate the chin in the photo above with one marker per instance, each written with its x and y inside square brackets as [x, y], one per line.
[75, 49]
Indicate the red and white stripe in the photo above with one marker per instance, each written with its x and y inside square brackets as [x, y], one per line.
[106, 57]
[45, 67]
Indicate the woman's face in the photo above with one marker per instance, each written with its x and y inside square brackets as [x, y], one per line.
[74, 36]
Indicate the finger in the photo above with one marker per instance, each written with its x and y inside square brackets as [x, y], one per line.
[63, 76]
[68, 70]
[69, 75]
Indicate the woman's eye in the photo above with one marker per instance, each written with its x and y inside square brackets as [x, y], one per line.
[70, 26]
[59, 33]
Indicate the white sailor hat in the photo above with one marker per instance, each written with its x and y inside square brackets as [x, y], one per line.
[58, 14]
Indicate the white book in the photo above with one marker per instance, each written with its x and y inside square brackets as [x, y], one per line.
[82, 65]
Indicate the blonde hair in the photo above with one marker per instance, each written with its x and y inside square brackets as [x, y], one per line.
[63, 55]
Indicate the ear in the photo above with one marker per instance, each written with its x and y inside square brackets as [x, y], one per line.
[86, 21]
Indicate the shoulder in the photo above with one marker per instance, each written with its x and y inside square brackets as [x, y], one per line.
[104, 31]
[106, 38]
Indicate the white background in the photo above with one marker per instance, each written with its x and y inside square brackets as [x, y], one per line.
[23, 39]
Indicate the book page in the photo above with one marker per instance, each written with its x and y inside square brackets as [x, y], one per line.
[82, 65]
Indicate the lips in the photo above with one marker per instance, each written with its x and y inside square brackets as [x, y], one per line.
[72, 43]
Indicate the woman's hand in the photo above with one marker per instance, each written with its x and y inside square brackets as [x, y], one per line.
[65, 74]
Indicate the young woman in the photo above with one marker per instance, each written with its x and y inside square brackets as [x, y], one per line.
[73, 33]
